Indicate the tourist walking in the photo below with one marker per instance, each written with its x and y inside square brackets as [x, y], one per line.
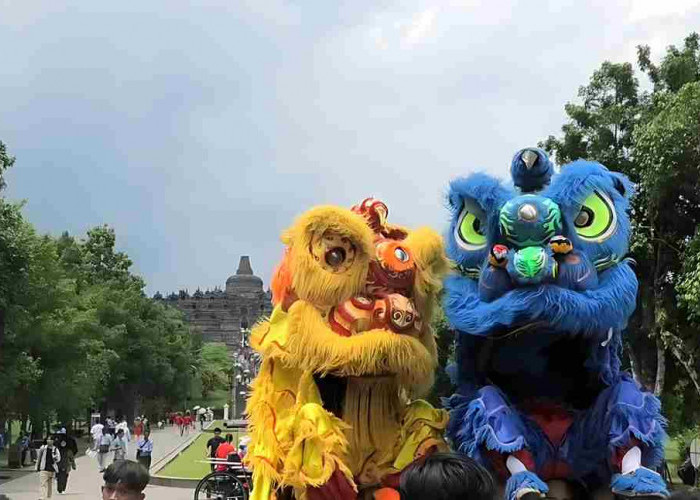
[23, 445]
[111, 426]
[123, 425]
[47, 466]
[67, 461]
[96, 431]
[213, 444]
[118, 446]
[138, 428]
[144, 450]
[202, 414]
[103, 449]
[179, 422]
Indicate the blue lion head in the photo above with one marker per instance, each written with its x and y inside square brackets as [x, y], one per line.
[550, 250]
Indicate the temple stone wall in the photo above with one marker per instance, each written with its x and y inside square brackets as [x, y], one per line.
[220, 315]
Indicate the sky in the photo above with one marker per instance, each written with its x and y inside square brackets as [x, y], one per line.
[199, 130]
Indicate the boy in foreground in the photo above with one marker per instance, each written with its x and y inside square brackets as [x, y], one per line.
[125, 480]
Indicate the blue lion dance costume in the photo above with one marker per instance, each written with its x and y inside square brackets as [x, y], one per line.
[540, 302]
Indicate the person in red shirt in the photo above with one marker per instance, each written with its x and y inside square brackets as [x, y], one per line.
[224, 450]
[138, 428]
[178, 422]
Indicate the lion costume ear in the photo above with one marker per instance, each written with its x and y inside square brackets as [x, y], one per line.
[327, 256]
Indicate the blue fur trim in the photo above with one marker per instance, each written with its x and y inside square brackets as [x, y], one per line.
[469, 428]
[589, 312]
[522, 480]
[640, 482]
[489, 195]
[621, 414]
[635, 417]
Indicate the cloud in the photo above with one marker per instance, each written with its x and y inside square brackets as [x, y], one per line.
[200, 132]
[648, 10]
[420, 27]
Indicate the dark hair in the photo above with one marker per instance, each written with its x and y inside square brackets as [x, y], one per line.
[217, 429]
[131, 474]
[229, 437]
[446, 476]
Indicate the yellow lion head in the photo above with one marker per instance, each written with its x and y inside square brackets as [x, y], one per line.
[359, 295]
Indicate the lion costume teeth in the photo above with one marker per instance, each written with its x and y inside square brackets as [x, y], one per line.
[348, 343]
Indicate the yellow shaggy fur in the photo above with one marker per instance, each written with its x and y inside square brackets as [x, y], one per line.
[295, 441]
[311, 282]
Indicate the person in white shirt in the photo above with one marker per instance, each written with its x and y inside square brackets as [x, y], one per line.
[104, 449]
[145, 450]
[48, 457]
[96, 432]
[127, 435]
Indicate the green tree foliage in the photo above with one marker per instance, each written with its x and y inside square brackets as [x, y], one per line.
[653, 138]
[214, 368]
[6, 161]
[79, 331]
[601, 125]
[678, 67]
[445, 338]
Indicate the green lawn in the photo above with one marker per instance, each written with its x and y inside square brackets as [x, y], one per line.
[187, 463]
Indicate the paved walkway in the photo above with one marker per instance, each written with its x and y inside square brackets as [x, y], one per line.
[85, 481]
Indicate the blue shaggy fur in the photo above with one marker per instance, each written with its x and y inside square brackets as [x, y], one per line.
[524, 480]
[586, 312]
[537, 342]
[535, 177]
[488, 195]
[640, 482]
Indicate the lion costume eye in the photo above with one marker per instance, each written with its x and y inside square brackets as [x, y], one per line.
[597, 220]
[469, 231]
[334, 252]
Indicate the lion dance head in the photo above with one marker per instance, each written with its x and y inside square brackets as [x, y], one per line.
[369, 289]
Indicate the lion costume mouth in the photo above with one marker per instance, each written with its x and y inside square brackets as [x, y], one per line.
[308, 343]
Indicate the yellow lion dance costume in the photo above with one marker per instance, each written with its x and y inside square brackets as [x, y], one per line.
[348, 347]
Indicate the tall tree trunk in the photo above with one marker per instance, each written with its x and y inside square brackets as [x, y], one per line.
[635, 365]
[657, 328]
[2, 329]
[660, 367]
[683, 354]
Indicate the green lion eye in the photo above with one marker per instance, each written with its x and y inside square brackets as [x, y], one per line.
[469, 230]
[597, 220]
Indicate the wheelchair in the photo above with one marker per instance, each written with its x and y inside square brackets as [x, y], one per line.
[233, 483]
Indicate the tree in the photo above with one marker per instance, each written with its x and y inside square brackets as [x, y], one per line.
[77, 330]
[653, 138]
[6, 161]
[445, 337]
[668, 159]
[214, 367]
[678, 67]
[601, 126]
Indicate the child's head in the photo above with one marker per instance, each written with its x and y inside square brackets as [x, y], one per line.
[446, 476]
[126, 480]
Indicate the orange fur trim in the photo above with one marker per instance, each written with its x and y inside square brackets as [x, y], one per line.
[281, 280]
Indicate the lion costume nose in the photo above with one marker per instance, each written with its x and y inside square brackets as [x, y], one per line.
[527, 212]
